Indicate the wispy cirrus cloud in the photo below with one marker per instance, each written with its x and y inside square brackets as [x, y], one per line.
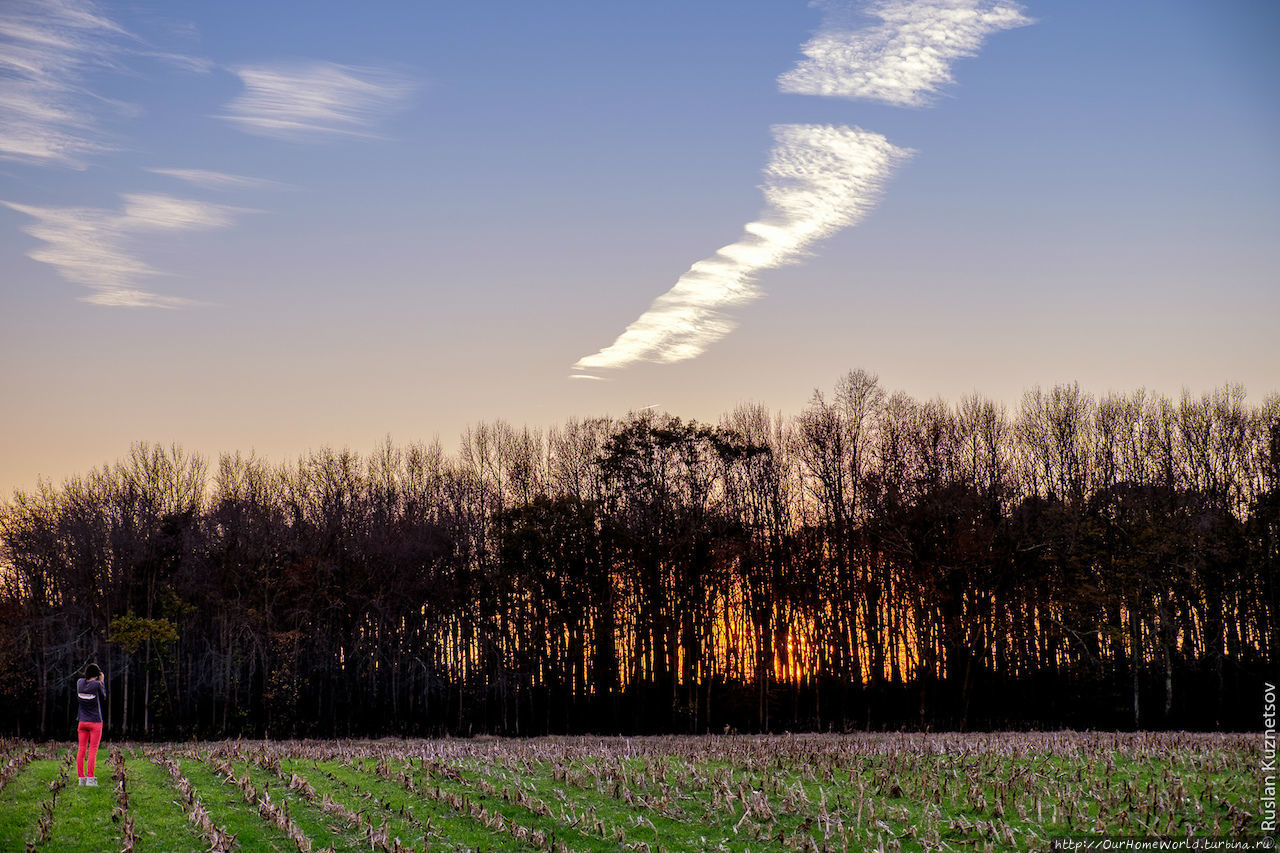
[98, 248]
[819, 179]
[181, 61]
[158, 212]
[903, 60]
[315, 100]
[46, 46]
[210, 180]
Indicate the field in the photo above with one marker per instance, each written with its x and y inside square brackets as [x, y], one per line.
[735, 793]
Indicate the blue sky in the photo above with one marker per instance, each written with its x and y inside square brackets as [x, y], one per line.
[276, 226]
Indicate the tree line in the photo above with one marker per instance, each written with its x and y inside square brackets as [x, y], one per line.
[876, 561]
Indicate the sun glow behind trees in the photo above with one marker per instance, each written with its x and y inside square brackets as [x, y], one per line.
[876, 560]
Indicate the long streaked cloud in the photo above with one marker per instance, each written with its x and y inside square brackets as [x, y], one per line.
[46, 46]
[98, 248]
[181, 61]
[315, 100]
[211, 180]
[903, 60]
[819, 179]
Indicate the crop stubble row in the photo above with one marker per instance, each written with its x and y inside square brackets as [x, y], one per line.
[805, 792]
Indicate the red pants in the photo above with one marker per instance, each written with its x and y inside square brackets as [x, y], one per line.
[90, 734]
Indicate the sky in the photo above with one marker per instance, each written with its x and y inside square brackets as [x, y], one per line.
[275, 227]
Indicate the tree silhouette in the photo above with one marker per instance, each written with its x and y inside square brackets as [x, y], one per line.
[876, 561]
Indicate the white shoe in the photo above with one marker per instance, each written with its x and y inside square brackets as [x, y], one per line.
[91, 782]
[80, 782]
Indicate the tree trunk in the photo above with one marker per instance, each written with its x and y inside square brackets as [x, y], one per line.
[1135, 658]
[146, 691]
[124, 717]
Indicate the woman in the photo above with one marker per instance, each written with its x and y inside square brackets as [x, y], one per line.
[90, 691]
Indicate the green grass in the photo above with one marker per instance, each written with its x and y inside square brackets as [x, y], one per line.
[22, 800]
[384, 801]
[82, 822]
[824, 792]
[636, 820]
[229, 810]
[323, 830]
[160, 824]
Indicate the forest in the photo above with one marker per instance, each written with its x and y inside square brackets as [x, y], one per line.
[873, 562]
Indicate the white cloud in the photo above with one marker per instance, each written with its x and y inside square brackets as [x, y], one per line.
[819, 179]
[318, 99]
[96, 247]
[181, 61]
[904, 59]
[45, 48]
[155, 212]
[215, 180]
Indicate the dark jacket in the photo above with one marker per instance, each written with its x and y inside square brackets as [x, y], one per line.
[90, 695]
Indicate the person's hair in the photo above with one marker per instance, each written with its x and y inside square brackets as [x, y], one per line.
[92, 671]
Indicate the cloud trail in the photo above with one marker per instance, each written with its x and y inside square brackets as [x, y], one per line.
[904, 59]
[819, 179]
[45, 48]
[215, 180]
[314, 100]
[94, 247]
